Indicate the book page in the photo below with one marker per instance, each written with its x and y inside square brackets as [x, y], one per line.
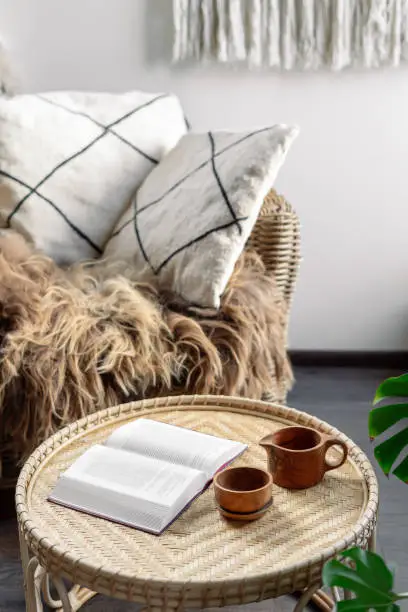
[147, 478]
[128, 487]
[176, 445]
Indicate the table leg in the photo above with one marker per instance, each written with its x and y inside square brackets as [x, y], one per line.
[25, 559]
[77, 595]
[322, 601]
[63, 594]
[32, 574]
[306, 596]
[372, 542]
[52, 603]
[37, 586]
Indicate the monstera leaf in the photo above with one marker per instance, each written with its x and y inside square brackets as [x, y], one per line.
[381, 419]
[361, 572]
[369, 579]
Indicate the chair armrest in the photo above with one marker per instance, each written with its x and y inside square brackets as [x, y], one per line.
[276, 238]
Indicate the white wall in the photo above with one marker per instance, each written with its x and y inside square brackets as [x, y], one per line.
[347, 175]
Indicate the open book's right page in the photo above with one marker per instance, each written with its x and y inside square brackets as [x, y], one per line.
[176, 445]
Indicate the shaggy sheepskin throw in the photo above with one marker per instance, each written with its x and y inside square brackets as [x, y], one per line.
[76, 341]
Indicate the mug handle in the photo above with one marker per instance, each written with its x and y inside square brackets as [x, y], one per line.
[334, 442]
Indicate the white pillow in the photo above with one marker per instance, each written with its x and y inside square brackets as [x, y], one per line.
[191, 218]
[71, 161]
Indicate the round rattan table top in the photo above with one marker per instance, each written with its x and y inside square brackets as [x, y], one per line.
[202, 559]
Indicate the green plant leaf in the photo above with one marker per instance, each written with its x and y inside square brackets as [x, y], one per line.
[387, 452]
[338, 574]
[401, 471]
[396, 386]
[366, 563]
[381, 419]
[370, 579]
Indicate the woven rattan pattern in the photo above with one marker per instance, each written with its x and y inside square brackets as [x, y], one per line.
[201, 559]
[276, 238]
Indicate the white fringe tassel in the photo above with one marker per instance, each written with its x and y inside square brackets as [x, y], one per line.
[292, 34]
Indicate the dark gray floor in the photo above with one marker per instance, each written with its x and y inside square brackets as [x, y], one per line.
[340, 396]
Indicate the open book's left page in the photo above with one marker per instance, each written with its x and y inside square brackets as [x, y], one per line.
[128, 487]
[176, 445]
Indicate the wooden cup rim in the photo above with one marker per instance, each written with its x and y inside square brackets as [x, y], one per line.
[245, 491]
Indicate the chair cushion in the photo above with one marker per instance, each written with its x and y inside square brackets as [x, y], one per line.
[190, 220]
[70, 162]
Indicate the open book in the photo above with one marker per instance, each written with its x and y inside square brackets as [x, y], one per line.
[145, 474]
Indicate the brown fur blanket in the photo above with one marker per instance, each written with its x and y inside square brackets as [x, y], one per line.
[73, 342]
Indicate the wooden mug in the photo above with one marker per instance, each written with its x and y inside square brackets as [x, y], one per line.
[297, 456]
[243, 490]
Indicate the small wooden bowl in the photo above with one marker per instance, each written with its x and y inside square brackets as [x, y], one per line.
[243, 489]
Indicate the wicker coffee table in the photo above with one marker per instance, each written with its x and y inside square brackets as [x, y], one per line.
[202, 560]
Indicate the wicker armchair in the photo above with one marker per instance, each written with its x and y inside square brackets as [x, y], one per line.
[276, 237]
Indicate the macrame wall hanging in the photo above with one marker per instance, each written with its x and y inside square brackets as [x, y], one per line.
[292, 34]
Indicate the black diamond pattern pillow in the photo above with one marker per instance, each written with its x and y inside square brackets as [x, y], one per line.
[70, 162]
[190, 220]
